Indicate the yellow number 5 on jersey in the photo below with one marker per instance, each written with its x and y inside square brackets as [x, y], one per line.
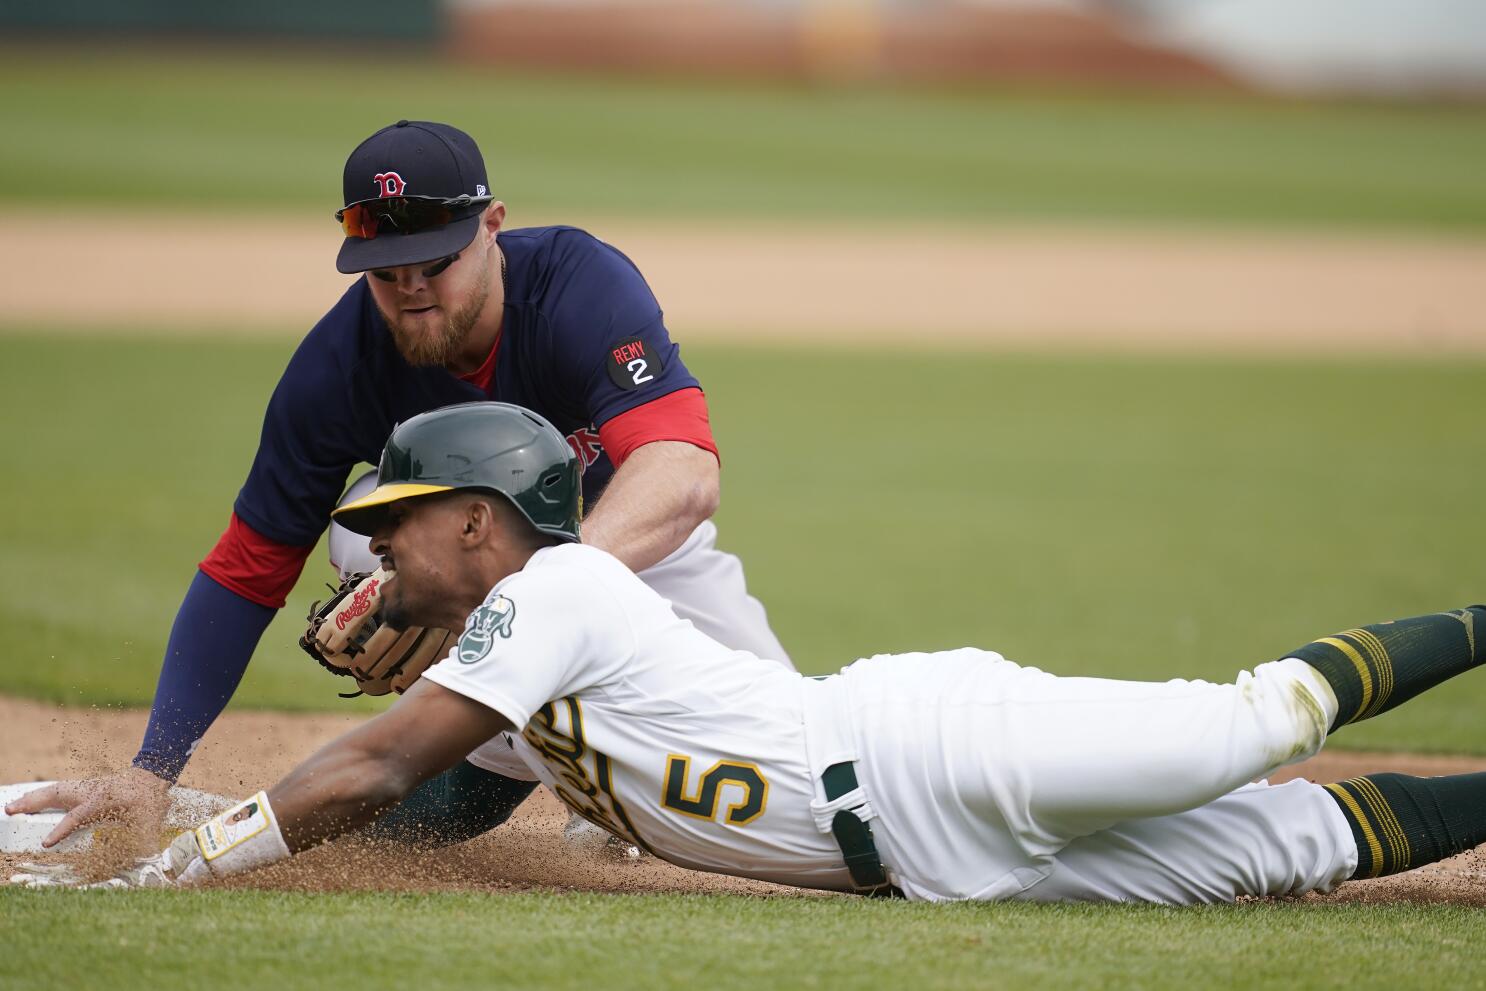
[703, 803]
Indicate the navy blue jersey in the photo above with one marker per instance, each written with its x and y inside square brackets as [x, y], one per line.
[582, 341]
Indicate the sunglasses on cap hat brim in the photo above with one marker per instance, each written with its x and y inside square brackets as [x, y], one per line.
[402, 214]
[406, 230]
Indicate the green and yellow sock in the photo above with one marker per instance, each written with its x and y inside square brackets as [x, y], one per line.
[1374, 668]
[1400, 822]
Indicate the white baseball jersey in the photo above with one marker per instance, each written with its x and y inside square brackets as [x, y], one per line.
[978, 777]
[703, 584]
[642, 723]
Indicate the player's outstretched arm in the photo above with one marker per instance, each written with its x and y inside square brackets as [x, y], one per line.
[657, 497]
[343, 786]
[353, 778]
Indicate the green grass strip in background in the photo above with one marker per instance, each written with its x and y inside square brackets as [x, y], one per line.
[1121, 518]
[167, 127]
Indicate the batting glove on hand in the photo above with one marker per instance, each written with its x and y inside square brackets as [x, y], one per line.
[180, 863]
[242, 838]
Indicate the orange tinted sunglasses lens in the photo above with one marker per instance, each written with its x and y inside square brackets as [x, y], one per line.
[358, 221]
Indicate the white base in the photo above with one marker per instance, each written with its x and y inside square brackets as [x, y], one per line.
[24, 833]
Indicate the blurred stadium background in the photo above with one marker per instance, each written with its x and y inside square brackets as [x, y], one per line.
[1338, 46]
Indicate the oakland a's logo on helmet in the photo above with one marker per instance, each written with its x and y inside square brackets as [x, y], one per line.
[494, 617]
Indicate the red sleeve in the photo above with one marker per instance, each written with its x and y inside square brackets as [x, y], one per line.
[680, 415]
[256, 568]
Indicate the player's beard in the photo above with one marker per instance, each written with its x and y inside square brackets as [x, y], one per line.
[438, 345]
[397, 611]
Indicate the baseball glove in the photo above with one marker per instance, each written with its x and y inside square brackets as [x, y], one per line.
[347, 636]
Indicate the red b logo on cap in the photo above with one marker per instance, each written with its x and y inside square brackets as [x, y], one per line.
[389, 184]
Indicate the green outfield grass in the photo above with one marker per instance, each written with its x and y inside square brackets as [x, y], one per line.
[161, 940]
[1122, 518]
[226, 128]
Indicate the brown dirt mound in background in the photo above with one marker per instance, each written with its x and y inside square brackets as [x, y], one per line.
[1035, 287]
[245, 751]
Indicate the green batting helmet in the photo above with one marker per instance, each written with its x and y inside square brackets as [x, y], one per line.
[486, 447]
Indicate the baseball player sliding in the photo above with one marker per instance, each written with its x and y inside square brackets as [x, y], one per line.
[453, 307]
[955, 775]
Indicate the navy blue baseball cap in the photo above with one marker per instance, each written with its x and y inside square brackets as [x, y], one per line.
[433, 179]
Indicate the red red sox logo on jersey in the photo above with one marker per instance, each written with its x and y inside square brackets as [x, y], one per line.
[585, 443]
[389, 184]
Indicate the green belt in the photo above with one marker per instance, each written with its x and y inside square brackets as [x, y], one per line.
[854, 836]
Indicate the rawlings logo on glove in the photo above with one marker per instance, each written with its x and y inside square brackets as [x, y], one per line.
[347, 636]
[360, 603]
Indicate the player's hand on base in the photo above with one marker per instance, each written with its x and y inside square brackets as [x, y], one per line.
[133, 795]
[244, 837]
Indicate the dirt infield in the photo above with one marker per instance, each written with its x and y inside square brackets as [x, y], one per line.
[1040, 287]
[248, 750]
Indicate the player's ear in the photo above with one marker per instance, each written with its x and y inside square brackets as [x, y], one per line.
[479, 519]
[471, 521]
[495, 218]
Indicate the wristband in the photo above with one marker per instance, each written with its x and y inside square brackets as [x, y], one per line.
[242, 838]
